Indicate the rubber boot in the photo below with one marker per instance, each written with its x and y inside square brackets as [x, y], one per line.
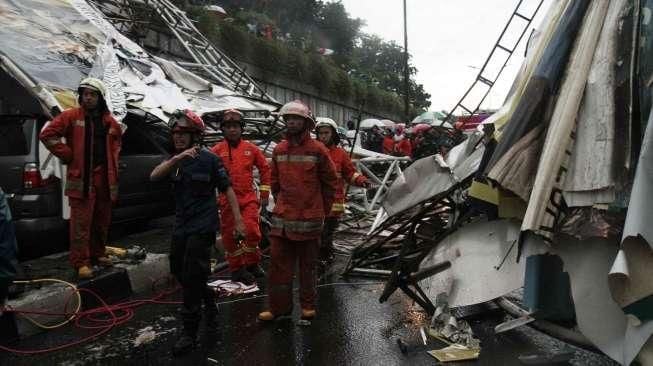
[184, 344]
[188, 339]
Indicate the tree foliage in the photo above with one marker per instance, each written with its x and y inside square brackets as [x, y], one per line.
[365, 68]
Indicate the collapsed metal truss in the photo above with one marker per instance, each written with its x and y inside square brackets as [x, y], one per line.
[413, 234]
[134, 18]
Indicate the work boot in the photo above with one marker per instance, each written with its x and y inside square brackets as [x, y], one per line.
[241, 275]
[268, 316]
[84, 272]
[256, 271]
[184, 344]
[308, 314]
[188, 339]
[104, 261]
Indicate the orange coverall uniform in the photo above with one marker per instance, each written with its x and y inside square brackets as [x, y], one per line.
[388, 145]
[304, 183]
[405, 147]
[347, 174]
[91, 188]
[239, 161]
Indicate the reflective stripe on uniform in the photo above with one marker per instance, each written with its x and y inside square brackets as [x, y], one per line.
[338, 207]
[235, 253]
[79, 122]
[353, 177]
[296, 159]
[296, 226]
[52, 142]
[249, 249]
[264, 187]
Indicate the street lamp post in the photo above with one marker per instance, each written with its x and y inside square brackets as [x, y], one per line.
[406, 71]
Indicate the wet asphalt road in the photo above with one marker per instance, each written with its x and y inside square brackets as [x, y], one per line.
[352, 328]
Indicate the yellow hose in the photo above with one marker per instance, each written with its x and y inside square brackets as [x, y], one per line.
[43, 326]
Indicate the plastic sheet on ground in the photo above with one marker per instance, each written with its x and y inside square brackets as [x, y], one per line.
[425, 178]
[226, 288]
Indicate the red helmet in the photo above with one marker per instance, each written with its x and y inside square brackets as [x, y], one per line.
[186, 121]
[420, 128]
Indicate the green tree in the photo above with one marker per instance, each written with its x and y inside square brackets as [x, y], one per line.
[337, 31]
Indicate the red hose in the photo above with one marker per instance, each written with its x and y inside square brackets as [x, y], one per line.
[90, 319]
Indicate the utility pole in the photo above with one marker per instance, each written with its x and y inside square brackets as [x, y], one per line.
[406, 73]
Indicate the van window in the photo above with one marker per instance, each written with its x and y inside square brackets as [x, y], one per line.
[135, 143]
[15, 137]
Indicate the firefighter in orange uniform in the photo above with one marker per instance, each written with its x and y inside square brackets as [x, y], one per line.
[304, 183]
[327, 133]
[93, 140]
[388, 142]
[240, 157]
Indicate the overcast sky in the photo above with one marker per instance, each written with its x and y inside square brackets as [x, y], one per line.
[449, 40]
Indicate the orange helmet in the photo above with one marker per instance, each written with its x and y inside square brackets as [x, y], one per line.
[232, 115]
[298, 108]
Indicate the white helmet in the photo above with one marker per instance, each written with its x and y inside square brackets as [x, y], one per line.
[325, 121]
[93, 84]
[328, 122]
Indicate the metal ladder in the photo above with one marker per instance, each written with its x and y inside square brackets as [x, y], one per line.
[482, 81]
[209, 61]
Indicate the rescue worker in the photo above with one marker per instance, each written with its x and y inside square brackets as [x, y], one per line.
[239, 158]
[388, 142]
[375, 139]
[403, 146]
[195, 173]
[304, 183]
[326, 130]
[93, 140]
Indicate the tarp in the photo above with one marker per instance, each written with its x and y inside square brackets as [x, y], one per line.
[590, 179]
[475, 253]
[543, 84]
[631, 273]
[58, 42]
[554, 156]
[425, 178]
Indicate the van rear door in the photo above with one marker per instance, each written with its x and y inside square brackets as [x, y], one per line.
[17, 148]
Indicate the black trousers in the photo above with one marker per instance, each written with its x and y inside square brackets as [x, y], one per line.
[190, 264]
[326, 240]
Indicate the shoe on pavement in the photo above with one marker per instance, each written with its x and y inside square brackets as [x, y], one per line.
[184, 344]
[267, 316]
[256, 271]
[241, 275]
[84, 272]
[105, 261]
[308, 314]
